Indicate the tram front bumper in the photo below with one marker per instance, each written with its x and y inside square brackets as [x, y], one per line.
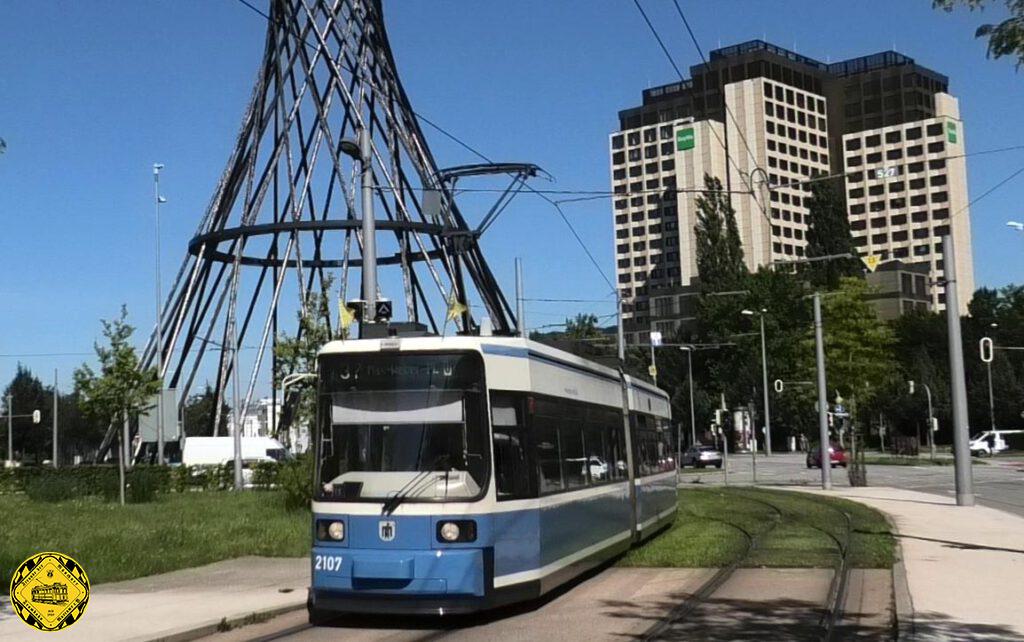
[346, 572]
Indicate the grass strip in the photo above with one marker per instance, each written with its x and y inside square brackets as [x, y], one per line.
[115, 542]
[710, 526]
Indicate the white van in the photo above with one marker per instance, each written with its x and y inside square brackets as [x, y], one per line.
[213, 451]
[991, 442]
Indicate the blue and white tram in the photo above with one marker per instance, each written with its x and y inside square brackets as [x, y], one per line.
[463, 473]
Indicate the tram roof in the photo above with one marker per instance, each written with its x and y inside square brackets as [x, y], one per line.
[476, 344]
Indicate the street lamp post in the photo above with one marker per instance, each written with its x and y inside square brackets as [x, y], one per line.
[689, 375]
[958, 389]
[764, 382]
[931, 419]
[158, 199]
[824, 457]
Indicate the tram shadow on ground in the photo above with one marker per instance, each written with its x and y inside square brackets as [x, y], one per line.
[461, 621]
[737, 619]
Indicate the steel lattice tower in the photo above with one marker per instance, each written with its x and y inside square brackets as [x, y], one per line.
[285, 217]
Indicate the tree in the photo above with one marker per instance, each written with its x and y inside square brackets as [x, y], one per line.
[828, 233]
[719, 251]
[582, 328]
[28, 395]
[1005, 38]
[298, 353]
[200, 411]
[121, 390]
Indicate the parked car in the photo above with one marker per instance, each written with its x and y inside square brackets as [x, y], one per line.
[992, 442]
[701, 456]
[837, 456]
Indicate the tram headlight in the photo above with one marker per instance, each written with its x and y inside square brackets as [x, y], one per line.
[462, 530]
[329, 530]
[450, 532]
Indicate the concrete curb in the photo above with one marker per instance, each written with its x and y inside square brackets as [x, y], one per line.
[902, 601]
[194, 632]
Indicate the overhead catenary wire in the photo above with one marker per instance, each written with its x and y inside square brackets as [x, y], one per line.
[725, 148]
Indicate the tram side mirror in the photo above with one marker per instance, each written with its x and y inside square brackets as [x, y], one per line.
[297, 378]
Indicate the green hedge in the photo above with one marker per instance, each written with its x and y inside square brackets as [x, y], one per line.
[142, 483]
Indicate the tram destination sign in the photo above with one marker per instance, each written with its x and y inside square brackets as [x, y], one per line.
[400, 371]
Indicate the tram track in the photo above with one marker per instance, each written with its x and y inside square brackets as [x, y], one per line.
[835, 598]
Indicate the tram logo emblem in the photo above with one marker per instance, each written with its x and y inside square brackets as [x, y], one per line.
[386, 530]
[49, 591]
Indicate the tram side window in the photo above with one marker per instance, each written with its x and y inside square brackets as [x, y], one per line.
[511, 464]
[574, 464]
[601, 439]
[549, 458]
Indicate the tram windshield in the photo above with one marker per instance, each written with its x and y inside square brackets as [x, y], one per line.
[401, 427]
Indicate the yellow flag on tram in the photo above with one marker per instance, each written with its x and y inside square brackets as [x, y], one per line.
[455, 307]
[346, 315]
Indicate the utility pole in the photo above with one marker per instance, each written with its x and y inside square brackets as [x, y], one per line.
[764, 380]
[56, 399]
[520, 303]
[654, 363]
[630, 472]
[159, 323]
[825, 456]
[961, 447]
[369, 225]
[689, 376]
[10, 430]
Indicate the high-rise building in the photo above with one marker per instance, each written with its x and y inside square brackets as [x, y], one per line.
[765, 120]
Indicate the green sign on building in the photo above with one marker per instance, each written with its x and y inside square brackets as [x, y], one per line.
[684, 139]
[951, 131]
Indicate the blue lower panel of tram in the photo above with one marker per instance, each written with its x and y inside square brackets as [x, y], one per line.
[517, 555]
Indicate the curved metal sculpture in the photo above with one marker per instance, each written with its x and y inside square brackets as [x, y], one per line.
[284, 222]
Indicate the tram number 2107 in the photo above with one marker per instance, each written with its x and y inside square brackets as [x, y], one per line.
[327, 563]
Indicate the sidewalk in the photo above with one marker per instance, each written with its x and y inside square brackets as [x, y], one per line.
[964, 566]
[163, 606]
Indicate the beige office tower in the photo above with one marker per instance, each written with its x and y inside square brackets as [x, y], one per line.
[782, 130]
[906, 188]
[785, 118]
[654, 170]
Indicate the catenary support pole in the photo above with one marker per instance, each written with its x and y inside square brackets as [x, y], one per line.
[369, 226]
[961, 447]
[689, 375]
[520, 303]
[10, 429]
[764, 386]
[824, 456]
[56, 401]
[159, 324]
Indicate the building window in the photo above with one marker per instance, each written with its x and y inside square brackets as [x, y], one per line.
[940, 197]
[913, 133]
[873, 141]
[937, 164]
[617, 142]
[894, 154]
[875, 157]
[892, 137]
[937, 179]
[935, 129]
[937, 147]
[916, 150]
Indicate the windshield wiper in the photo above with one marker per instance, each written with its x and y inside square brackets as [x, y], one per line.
[414, 485]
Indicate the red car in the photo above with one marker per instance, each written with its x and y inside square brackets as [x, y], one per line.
[837, 456]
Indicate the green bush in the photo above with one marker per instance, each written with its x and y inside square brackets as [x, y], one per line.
[50, 488]
[296, 480]
[264, 474]
[144, 483]
[181, 478]
[48, 485]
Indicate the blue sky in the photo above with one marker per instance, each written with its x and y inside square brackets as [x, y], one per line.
[92, 93]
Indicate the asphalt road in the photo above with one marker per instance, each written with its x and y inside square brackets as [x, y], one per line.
[998, 481]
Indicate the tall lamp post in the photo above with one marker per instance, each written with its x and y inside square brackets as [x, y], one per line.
[764, 381]
[158, 199]
[689, 375]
